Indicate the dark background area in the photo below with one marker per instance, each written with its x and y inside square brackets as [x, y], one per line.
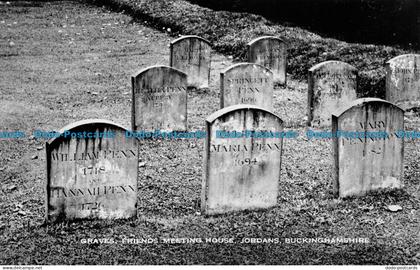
[388, 22]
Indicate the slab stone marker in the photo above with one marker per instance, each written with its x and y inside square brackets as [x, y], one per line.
[192, 55]
[159, 99]
[332, 84]
[270, 52]
[371, 163]
[246, 83]
[403, 81]
[91, 175]
[241, 173]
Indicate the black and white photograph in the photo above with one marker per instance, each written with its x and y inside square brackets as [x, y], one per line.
[210, 132]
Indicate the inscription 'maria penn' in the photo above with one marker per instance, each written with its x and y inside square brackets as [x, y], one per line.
[92, 178]
[241, 173]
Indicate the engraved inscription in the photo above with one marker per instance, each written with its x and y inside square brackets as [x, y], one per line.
[91, 178]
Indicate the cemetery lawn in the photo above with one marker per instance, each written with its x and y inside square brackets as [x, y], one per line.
[66, 61]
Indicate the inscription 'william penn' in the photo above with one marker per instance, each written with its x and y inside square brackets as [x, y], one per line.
[105, 154]
[89, 177]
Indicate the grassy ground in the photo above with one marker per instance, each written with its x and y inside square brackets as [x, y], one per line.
[66, 61]
[230, 32]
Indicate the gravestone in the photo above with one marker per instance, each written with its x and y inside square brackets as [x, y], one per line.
[332, 84]
[363, 164]
[92, 171]
[270, 52]
[192, 55]
[246, 83]
[403, 81]
[241, 173]
[159, 99]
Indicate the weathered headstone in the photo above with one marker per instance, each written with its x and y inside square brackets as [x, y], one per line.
[241, 173]
[159, 99]
[270, 52]
[192, 55]
[403, 81]
[372, 161]
[246, 83]
[332, 84]
[92, 170]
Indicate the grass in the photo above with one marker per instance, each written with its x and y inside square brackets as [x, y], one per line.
[229, 32]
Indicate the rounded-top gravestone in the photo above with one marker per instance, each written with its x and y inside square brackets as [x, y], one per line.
[242, 159]
[331, 85]
[92, 170]
[159, 99]
[403, 81]
[246, 83]
[192, 55]
[367, 149]
[270, 52]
